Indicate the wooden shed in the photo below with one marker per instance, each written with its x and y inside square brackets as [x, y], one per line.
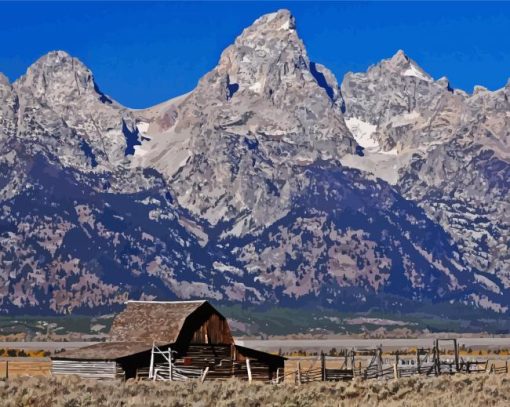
[192, 335]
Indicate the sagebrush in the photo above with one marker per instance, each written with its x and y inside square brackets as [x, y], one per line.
[460, 390]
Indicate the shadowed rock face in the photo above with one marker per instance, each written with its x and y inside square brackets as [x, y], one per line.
[241, 191]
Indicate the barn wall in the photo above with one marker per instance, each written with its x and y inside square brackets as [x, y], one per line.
[133, 364]
[86, 369]
[213, 330]
[205, 326]
[225, 361]
[264, 366]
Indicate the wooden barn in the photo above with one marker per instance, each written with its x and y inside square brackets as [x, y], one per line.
[169, 341]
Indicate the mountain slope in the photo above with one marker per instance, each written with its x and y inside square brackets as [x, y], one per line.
[444, 149]
[239, 191]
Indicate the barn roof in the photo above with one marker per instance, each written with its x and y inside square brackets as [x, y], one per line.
[258, 354]
[148, 321]
[105, 351]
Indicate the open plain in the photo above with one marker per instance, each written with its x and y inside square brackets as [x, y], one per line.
[315, 345]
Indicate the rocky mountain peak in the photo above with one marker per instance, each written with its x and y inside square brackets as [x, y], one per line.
[280, 24]
[405, 66]
[4, 80]
[263, 113]
[63, 115]
[479, 89]
[268, 50]
[54, 59]
[400, 58]
[57, 76]
[277, 21]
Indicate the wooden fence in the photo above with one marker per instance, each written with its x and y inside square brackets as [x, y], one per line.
[370, 364]
[337, 375]
[499, 369]
[207, 363]
[16, 367]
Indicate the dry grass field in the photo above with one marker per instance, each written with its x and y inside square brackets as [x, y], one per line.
[460, 390]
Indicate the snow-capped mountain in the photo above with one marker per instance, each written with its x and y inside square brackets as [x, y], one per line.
[269, 183]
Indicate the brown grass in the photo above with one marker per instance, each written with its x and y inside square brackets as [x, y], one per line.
[460, 390]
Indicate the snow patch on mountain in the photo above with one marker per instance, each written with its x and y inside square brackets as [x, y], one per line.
[414, 71]
[142, 127]
[363, 132]
[285, 25]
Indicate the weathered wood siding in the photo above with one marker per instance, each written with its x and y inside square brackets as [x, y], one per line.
[214, 330]
[205, 326]
[224, 362]
[87, 369]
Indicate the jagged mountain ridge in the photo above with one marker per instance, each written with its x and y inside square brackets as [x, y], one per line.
[265, 115]
[235, 192]
[442, 148]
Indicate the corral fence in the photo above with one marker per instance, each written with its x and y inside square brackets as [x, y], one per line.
[373, 364]
[499, 369]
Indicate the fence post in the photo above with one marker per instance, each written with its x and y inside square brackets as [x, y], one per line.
[437, 362]
[456, 350]
[248, 369]
[395, 371]
[418, 360]
[151, 366]
[6, 369]
[379, 362]
[506, 366]
[204, 374]
[323, 366]
[299, 372]
[170, 372]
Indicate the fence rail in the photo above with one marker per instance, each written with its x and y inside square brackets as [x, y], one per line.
[338, 374]
[427, 362]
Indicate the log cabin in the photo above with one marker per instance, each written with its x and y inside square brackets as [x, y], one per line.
[194, 333]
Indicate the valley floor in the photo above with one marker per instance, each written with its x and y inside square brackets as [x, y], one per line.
[467, 390]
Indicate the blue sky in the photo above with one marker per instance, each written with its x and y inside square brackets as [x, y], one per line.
[144, 53]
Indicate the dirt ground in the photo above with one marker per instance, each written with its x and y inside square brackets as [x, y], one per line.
[460, 390]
